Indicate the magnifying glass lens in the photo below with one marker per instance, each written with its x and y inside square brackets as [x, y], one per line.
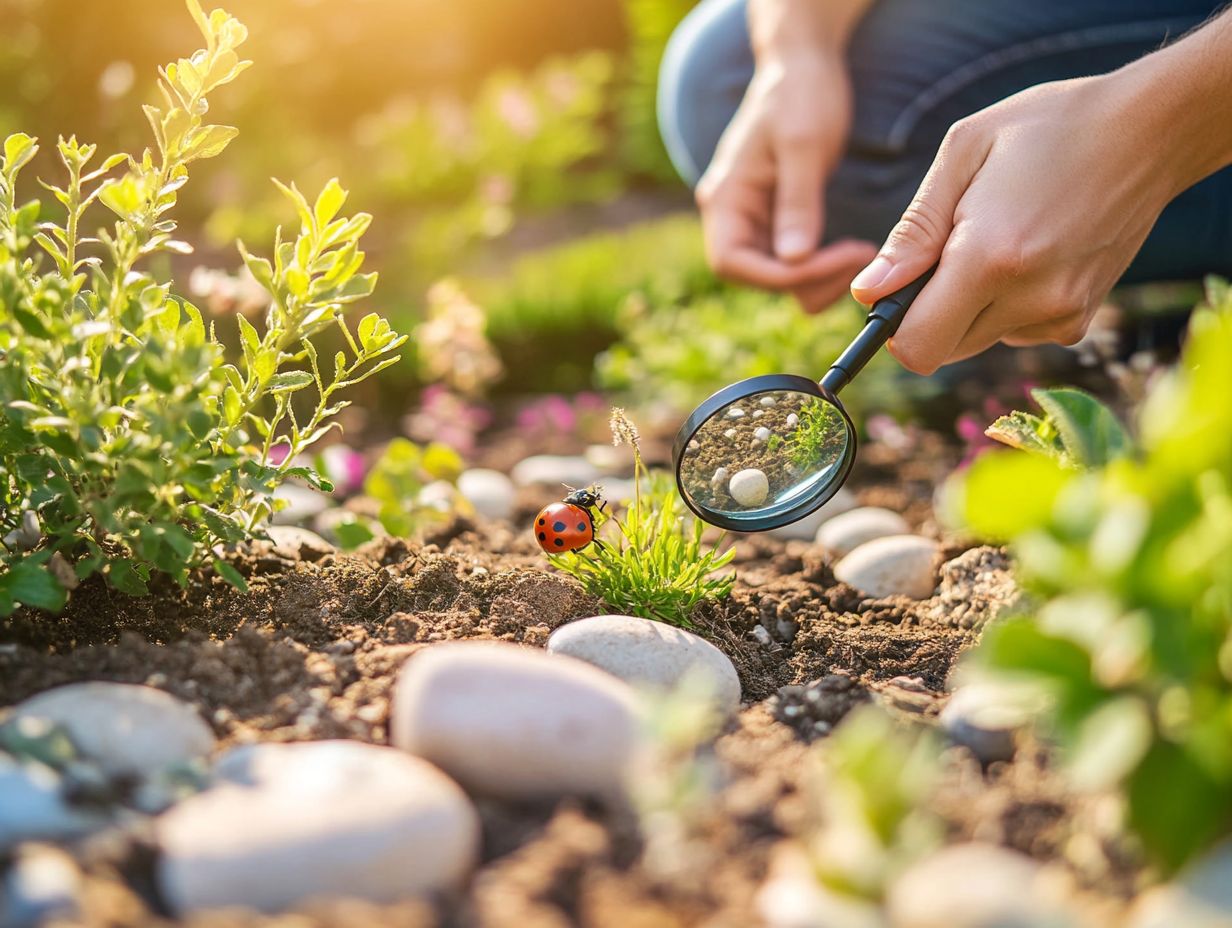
[764, 454]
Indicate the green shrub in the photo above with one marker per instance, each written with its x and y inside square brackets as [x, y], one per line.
[1130, 567]
[655, 564]
[680, 355]
[1076, 429]
[127, 444]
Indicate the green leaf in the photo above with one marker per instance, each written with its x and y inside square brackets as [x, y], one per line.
[231, 575]
[352, 534]
[1026, 432]
[19, 148]
[289, 382]
[1090, 433]
[30, 583]
[209, 142]
[329, 202]
[127, 576]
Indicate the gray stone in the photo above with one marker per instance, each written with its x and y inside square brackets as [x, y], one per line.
[903, 565]
[32, 807]
[489, 491]
[844, 533]
[293, 543]
[288, 822]
[806, 529]
[126, 730]
[514, 722]
[980, 720]
[43, 885]
[554, 470]
[642, 652]
[303, 504]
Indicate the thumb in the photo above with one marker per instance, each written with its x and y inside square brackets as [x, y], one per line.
[797, 200]
[916, 242]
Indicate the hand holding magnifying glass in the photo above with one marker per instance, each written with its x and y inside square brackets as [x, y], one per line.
[767, 451]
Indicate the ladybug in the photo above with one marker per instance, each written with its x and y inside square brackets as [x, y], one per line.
[568, 525]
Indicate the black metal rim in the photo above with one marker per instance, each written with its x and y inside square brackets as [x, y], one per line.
[739, 390]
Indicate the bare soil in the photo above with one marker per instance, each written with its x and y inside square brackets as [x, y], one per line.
[312, 649]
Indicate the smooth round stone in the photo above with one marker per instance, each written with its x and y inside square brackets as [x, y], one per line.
[516, 723]
[303, 504]
[730, 434]
[792, 420]
[646, 653]
[844, 533]
[126, 730]
[287, 822]
[973, 885]
[292, 542]
[749, 487]
[903, 565]
[555, 470]
[735, 413]
[489, 491]
[806, 529]
[33, 809]
[979, 719]
[42, 886]
[762, 433]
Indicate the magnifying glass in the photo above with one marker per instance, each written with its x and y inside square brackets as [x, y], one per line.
[769, 450]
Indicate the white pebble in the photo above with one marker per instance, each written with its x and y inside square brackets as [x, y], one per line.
[289, 821]
[554, 470]
[758, 413]
[768, 401]
[749, 487]
[844, 533]
[642, 652]
[806, 528]
[516, 723]
[792, 421]
[903, 565]
[693, 445]
[42, 887]
[735, 413]
[730, 434]
[127, 730]
[763, 434]
[33, 809]
[489, 491]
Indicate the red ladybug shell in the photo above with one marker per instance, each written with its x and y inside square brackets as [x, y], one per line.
[561, 527]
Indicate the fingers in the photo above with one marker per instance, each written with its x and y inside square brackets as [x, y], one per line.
[845, 258]
[916, 243]
[798, 192]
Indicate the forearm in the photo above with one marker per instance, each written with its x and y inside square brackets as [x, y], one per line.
[782, 28]
[1183, 92]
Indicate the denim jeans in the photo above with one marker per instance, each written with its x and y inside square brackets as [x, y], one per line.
[918, 66]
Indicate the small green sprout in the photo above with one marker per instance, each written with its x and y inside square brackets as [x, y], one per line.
[819, 436]
[657, 566]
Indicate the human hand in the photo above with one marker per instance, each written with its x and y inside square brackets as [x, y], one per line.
[761, 198]
[1035, 207]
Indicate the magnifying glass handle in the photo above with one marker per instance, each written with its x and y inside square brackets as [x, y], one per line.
[882, 322]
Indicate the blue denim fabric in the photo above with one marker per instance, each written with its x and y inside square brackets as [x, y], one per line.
[917, 67]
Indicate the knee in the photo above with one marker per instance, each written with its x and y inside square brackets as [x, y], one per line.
[706, 67]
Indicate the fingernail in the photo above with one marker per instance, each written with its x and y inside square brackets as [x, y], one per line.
[792, 243]
[874, 274]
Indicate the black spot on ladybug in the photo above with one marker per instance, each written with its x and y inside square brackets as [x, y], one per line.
[581, 526]
[558, 526]
[560, 543]
[542, 537]
[543, 521]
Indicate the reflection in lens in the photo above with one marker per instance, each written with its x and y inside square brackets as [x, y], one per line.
[764, 453]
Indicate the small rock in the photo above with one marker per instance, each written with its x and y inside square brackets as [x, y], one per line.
[762, 433]
[758, 413]
[815, 709]
[806, 529]
[489, 491]
[127, 730]
[293, 543]
[43, 886]
[303, 504]
[768, 401]
[974, 885]
[693, 445]
[719, 478]
[514, 722]
[843, 533]
[979, 719]
[642, 652]
[287, 822]
[33, 808]
[730, 434]
[793, 420]
[735, 413]
[749, 487]
[554, 470]
[904, 565]
[1201, 897]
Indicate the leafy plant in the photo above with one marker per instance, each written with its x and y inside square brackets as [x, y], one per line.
[412, 486]
[820, 435]
[680, 354]
[657, 565]
[1131, 565]
[1076, 429]
[127, 444]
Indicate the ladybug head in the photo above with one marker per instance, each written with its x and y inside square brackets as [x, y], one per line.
[585, 498]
